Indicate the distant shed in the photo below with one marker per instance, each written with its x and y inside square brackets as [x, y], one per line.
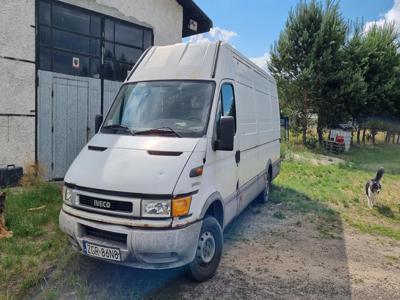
[341, 133]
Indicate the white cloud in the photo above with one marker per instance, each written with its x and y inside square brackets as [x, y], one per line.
[262, 61]
[215, 34]
[393, 15]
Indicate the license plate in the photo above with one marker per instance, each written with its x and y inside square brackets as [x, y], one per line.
[101, 251]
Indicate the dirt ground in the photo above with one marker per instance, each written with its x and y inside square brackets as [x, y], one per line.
[296, 257]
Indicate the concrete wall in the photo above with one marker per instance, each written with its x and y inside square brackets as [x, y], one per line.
[17, 81]
[164, 16]
[17, 77]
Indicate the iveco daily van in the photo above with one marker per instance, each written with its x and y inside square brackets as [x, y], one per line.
[190, 140]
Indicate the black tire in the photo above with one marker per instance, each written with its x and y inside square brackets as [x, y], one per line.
[199, 269]
[264, 196]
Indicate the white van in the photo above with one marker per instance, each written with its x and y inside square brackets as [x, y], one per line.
[190, 140]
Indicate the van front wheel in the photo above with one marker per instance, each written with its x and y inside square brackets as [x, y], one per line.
[208, 252]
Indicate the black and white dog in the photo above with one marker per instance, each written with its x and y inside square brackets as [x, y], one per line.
[373, 187]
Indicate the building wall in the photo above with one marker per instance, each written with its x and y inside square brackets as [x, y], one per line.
[17, 56]
[17, 81]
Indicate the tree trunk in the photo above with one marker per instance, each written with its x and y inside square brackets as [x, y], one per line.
[393, 137]
[373, 134]
[398, 138]
[358, 134]
[320, 131]
[304, 130]
[387, 137]
[363, 135]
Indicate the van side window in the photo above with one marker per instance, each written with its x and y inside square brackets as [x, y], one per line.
[228, 101]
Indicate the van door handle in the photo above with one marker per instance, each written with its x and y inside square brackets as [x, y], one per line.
[237, 156]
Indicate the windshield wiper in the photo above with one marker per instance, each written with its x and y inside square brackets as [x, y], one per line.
[119, 126]
[161, 130]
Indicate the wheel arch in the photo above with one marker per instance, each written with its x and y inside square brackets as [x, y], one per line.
[214, 207]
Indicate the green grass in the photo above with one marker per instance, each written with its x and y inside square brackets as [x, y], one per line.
[324, 190]
[336, 191]
[37, 242]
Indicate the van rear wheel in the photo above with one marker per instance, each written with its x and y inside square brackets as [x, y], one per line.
[208, 252]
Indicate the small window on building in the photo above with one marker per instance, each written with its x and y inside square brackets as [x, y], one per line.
[44, 13]
[71, 19]
[68, 63]
[45, 36]
[109, 70]
[127, 54]
[109, 30]
[45, 59]
[95, 26]
[95, 47]
[128, 35]
[95, 68]
[71, 42]
[147, 39]
[121, 71]
[109, 50]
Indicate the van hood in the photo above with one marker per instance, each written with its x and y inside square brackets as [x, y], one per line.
[134, 164]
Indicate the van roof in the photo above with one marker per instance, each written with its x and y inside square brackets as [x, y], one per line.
[186, 61]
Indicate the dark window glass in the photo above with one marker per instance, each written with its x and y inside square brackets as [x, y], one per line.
[71, 19]
[109, 50]
[95, 26]
[44, 13]
[128, 35]
[109, 30]
[63, 62]
[121, 71]
[127, 54]
[45, 59]
[45, 36]
[95, 68]
[228, 100]
[108, 69]
[95, 46]
[148, 39]
[70, 41]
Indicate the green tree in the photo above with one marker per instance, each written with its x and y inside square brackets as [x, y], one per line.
[328, 55]
[306, 61]
[382, 73]
[354, 88]
[292, 61]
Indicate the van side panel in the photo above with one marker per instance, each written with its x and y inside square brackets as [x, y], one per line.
[258, 128]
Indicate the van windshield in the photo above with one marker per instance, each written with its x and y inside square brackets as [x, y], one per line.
[171, 108]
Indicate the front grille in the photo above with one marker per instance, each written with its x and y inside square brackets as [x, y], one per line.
[105, 235]
[110, 205]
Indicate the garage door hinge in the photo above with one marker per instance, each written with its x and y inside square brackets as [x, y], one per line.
[52, 128]
[52, 93]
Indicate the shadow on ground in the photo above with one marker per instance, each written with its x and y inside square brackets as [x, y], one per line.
[301, 254]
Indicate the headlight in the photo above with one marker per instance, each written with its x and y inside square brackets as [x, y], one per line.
[67, 195]
[156, 208]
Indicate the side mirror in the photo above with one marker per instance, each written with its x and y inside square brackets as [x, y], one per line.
[226, 133]
[97, 123]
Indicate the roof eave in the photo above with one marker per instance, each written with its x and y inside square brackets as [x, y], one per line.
[195, 20]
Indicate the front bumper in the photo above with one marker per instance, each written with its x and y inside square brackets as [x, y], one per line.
[148, 248]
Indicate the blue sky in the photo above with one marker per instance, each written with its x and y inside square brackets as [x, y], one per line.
[253, 25]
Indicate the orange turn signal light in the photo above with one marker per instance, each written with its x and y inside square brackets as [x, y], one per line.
[181, 206]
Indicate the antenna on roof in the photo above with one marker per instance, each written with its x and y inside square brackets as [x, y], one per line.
[214, 67]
